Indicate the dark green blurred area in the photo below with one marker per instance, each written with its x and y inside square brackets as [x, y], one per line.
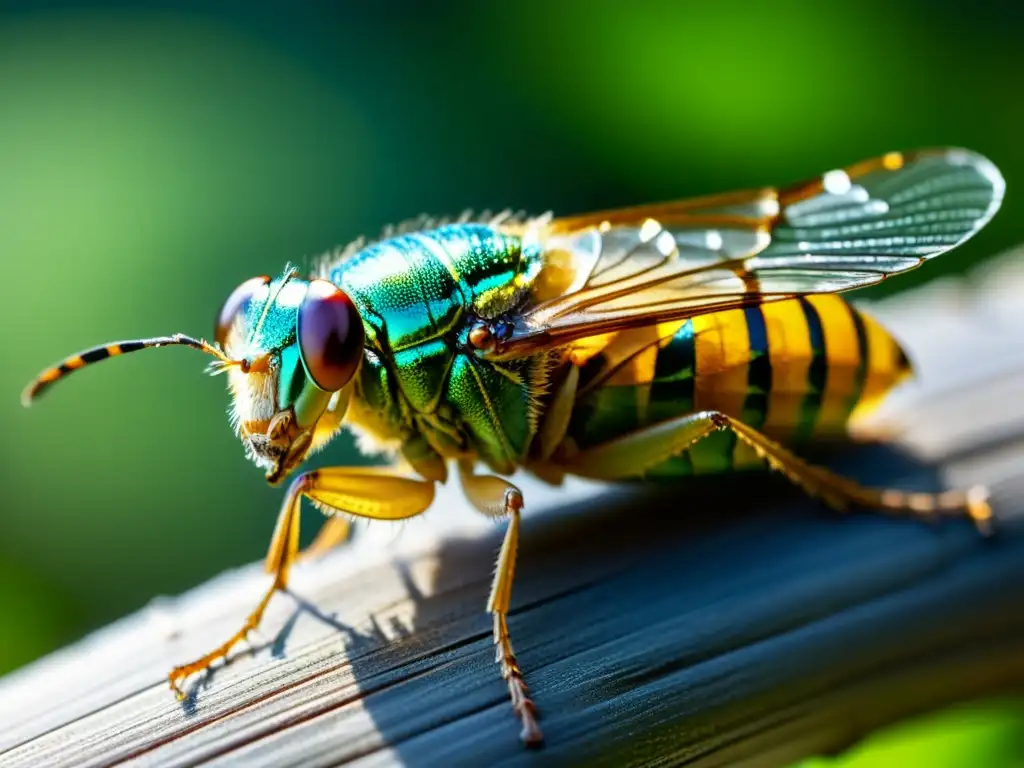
[985, 733]
[153, 159]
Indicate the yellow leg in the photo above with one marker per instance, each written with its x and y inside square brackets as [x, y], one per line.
[499, 498]
[365, 492]
[632, 454]
[334, 532]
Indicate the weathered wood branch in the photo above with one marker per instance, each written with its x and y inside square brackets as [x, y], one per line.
[711, 624]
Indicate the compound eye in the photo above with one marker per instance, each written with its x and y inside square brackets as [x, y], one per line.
[330, 334]
[237, 303]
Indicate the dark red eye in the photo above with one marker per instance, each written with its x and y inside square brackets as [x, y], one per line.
[330, 335]
[237, 302]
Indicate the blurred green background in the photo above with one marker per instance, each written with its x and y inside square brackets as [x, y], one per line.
[154, 156]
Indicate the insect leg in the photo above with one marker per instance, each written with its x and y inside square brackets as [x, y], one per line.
[364, 492]
[495, 497]
[638, 451]
[555, 422]
[334, 532]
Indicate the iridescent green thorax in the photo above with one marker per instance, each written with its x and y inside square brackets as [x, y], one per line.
[419, 295]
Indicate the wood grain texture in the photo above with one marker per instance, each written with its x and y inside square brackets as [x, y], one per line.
[717, 623]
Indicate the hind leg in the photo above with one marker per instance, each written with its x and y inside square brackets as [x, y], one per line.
[633, 454]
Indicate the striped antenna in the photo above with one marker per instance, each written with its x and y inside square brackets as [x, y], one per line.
[102, 352]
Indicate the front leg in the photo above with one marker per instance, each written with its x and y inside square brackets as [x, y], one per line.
[334, 532]
[364, 492]
[499, 498]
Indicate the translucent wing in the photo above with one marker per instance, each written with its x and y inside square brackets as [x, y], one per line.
[848, 228]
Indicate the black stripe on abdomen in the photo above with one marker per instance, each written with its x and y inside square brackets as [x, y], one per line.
[817, 374]
[674, 372]
[759, 369]
[860, 376]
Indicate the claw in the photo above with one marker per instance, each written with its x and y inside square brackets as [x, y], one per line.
[531, 734]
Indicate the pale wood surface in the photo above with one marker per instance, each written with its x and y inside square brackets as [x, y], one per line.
[711, 624]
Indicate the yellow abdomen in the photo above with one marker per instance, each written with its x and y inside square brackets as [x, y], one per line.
[795, 369]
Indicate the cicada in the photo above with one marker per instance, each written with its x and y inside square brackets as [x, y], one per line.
[654, 342]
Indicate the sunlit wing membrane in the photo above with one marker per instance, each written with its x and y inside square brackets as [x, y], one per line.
[846, 229]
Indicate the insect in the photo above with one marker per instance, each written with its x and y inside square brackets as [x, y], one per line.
[652, 342]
